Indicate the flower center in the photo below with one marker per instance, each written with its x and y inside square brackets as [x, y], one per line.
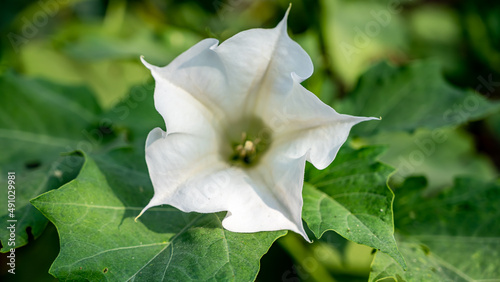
[253, 140]
[246, 151]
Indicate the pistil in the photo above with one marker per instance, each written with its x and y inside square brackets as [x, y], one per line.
[246, 151]
[249, 138]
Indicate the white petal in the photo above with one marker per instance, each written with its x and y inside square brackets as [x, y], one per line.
[260, 61]
[230, 78]
[280, 180]
[306, 126]
[188, 174]
[255, 73]
[180, 110]
[173, 160]
[252, 204]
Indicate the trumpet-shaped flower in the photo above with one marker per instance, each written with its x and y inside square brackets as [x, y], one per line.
[240, 127]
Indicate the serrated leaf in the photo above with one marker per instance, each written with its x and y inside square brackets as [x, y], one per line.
[351, 197]
[94, 215]
[457, 229]
[411, 97]
[38, 121]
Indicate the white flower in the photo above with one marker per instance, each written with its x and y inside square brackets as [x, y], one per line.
[240, 127]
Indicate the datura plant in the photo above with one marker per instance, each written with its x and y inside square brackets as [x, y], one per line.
[203, 176]
[239, 128]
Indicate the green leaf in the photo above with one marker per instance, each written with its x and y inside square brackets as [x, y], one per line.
[136, 114]
[412, 97]
[95, 45]
[110, 79]
[457, 230]
[455, 211]
[439, 155]
[38, 121]
[422, 266]
[105, 57]
[37, 113]
[29, 184]
[94, 215]
[352, 198]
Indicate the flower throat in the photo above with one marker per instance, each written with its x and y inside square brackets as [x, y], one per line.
[249, 140]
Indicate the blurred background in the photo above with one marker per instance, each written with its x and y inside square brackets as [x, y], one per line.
[98, 44]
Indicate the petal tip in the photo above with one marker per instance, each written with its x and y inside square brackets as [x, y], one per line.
[369, 118]
[304, 235]
[137, 217]
[288, 10]
[144, 210]
[146, 64]
[285, 18]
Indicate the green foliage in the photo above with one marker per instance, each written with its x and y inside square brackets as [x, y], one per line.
[351, 197]
[412, 97]
[439, 155]
[52, 119]
[135, 114]
[94, 215]
[445, 226]
[59, 119]
[357, 33]
[452, 236]
[40, 117]
[437, 43]
[422, 266]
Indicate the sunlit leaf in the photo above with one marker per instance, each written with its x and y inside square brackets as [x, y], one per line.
[351, 197]
[94, 215]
